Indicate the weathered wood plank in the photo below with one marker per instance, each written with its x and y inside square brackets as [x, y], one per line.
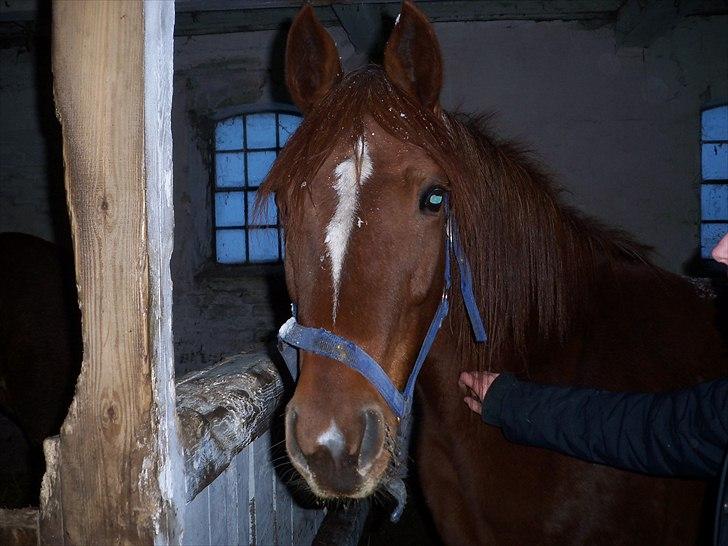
[225, 415]
[284, 511]
[51, 516]
[257, 506]
[197, 521]
[19, 527]
[264, 486]
[243, 470]
[221, 410]
[233, 506]
[252, 504]
[117, 443]
[159, 21]
[202, 17]
[218, 511]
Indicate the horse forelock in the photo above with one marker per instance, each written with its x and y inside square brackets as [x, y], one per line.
[533, 259]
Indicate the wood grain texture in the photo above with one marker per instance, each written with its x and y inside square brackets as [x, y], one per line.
[242, 464]
[219, 508]
[265, 514]
[197, 521]
[51, 515]
[158, 77]
[19, 527]
[221, 410]
[225, 415]
[111, 453]
[241, 506]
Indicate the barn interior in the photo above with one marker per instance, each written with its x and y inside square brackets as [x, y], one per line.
[617, 98]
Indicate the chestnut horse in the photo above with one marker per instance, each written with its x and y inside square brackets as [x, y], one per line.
[360, 191]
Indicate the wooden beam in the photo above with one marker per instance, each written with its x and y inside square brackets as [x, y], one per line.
[221, 410]
[112, 66]
[196, 17]
[19, 527]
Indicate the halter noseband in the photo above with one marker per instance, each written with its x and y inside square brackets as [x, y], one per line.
[293, 336]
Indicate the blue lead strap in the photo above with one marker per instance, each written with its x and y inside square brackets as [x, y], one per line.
[466, 285]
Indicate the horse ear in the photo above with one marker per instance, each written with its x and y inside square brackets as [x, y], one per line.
[412, 57]
[312, 62]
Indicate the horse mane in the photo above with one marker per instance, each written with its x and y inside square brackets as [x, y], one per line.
[533, 259]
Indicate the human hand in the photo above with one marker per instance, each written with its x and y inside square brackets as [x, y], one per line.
[475, 385]
[720, 252]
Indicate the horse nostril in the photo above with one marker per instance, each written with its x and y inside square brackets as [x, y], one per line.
[372, 439]
[294, 450]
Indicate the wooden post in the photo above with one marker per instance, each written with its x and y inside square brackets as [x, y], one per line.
[118, 453]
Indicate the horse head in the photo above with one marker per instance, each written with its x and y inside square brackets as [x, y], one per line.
[364, 209]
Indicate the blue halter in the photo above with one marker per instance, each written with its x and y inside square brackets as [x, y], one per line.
[293, 336]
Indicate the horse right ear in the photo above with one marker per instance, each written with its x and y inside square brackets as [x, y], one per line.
[412, 58]
[312, 62]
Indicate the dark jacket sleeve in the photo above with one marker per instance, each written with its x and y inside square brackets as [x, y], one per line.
[679, 433]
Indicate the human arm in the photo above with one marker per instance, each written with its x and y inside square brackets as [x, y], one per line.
[679, 433]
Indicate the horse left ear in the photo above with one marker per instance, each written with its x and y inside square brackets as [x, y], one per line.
[412, 57]
[312, 61]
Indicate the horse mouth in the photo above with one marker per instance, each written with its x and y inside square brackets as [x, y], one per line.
[341, 479]
[346, 476]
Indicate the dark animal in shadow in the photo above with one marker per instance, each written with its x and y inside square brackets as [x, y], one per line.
[40, 345]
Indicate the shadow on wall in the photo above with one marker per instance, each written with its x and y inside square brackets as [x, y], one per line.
[51, 131]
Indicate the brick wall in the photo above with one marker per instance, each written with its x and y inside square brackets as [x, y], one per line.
[227, 310]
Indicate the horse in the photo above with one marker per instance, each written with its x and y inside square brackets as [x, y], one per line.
[366, 190]
[40, 346]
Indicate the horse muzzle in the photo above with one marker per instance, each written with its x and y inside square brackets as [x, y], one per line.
[339, 457]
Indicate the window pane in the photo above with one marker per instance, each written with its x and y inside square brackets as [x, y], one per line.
[261, 130]
[715, 161]
[263, 245]
[266, 215]
[229, 170]
[287, 125]
[714, 201]
[710, 234]
[715, 123]
[259, 164]
[229, 209]
[230, 246]
[229, 134]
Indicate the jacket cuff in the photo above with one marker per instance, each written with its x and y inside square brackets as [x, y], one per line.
[492, 408]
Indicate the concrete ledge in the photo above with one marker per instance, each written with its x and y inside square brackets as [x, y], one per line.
[221, 410]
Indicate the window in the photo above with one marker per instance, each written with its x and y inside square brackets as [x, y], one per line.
[245, 148]
[714, 189]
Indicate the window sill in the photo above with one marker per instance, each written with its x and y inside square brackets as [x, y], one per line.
[213, 271]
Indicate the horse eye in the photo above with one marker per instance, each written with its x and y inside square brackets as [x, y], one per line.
[432, 199]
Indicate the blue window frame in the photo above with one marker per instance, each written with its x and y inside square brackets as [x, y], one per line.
[714, 187]
[245, 148]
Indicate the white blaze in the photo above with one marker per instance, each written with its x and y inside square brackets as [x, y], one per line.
[349, 176]
[333, 439]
